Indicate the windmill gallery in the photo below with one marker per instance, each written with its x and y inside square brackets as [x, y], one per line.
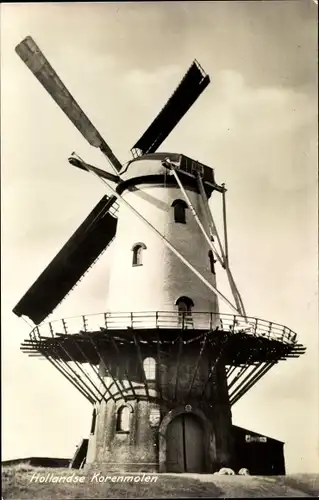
[162, 366]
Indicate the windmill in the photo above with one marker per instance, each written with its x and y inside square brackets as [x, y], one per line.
[162, 366]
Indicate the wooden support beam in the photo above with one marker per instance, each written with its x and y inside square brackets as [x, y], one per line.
[230, 370]
[115, 381]
[94, 369]
[140, 358]
[36, 333]
[245, 367]
[79, 367]
[197, 364]
[252, 382]
[225, 258]
[159, 364]
[255, 369]
[225, 225]
[223, 344]
[74, 381]
[179, 353]
[118, 383]
[238, 375]
[77, 162]
[125, 371]
[209, 217]
[197, 219]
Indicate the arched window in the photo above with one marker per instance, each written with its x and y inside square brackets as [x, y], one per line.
[93, 421]
[211, 261]
[123, 419]
[137, 254]
[149, 366]
[180, 211]
[185, 305]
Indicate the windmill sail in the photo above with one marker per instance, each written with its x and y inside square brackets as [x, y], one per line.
[70, 264]
[32, 56]
[189, 89]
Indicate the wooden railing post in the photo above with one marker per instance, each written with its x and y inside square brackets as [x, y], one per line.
[51, 329]
[65, 326]
[270, 326]
[38, 332]
[84, 323]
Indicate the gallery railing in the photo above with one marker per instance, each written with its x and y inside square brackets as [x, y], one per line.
[206, 321]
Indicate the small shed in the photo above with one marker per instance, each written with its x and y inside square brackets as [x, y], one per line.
[260, 454]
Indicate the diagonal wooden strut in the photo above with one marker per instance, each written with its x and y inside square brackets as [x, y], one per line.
[222, 346]
[211, 221]
[74, 380]
[65, 369]
[252, 381]
[96, 371]
[125, 370]
[209, 241]
[159, 365]
[79, 367]
[197, 364]
[180, 349]
[140, 359]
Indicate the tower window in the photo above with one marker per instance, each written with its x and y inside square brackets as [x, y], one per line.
[185, 305]
[137, 254]
[180, 211]
[123, 419]
[149, 366]
[93, 421]
[155, 417]
[212, 261]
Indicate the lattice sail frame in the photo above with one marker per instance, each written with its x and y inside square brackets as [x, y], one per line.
[78, 346]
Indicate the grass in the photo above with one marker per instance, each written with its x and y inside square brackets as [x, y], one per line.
[17, 484]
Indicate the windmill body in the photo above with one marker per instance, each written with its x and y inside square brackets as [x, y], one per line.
[162, 366]
[158, 282]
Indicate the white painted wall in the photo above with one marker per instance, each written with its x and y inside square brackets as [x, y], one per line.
[163, 278]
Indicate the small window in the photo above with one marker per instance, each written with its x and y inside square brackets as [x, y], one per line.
[180, 211]
[185, 305]
[149, 366]
[155, 417]
[212, 261]
[137, 254]
[93, 421]
[123, 419]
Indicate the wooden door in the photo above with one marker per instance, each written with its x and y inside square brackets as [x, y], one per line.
[193, 444]
[185, 444]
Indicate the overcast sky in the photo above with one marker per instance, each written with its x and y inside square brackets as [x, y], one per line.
[256, 125]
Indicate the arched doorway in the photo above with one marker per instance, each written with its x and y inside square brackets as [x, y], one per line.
[185, 306]
[185, 444]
